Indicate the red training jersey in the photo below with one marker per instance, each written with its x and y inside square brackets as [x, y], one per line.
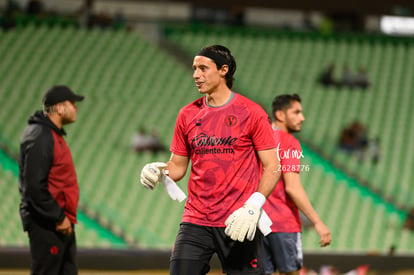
[279, 206]
[221, 144]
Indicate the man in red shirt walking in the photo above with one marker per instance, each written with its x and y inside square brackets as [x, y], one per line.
[283, 247]
[228, 139]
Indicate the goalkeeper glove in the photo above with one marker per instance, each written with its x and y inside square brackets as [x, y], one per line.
[242, 223]
[152, 173]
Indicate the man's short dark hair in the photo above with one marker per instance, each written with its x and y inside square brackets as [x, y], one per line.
[283, 102]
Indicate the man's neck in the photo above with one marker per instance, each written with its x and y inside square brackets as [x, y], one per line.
[56, 120]
[280, 126]
[219, 97]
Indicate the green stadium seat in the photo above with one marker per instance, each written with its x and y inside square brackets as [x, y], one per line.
[128, 83]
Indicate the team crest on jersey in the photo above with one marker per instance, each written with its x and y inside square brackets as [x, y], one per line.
[231, 120]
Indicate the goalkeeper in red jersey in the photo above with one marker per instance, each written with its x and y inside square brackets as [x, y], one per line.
[228, 139]
[283, 247]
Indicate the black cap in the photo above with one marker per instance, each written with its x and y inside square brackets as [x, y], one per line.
[58, 94]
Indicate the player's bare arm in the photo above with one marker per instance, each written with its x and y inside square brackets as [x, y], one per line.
[271, 173]
[296, 192]
[177, 166]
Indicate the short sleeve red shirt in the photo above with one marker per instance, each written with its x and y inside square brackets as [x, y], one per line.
[280, 208]
[221, 143]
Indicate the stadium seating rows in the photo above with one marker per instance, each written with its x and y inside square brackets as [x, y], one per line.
[358, 219]
[270, 64]
[119, 73]
[11, 228]
[129, 82]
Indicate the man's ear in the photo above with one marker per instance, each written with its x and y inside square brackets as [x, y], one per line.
[280, 115]
[60, 109]
[224, 69]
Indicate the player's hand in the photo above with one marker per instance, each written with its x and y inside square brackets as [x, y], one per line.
[324, 234]
[152, 173]
[242, 223]
[64, 227]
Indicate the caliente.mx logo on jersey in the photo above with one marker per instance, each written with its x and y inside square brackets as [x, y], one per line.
[205, 144]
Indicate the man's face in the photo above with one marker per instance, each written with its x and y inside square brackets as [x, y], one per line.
[206, 75]
[294, 117]
[69, 112]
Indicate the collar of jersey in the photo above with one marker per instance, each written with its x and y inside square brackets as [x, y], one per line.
[230, 99]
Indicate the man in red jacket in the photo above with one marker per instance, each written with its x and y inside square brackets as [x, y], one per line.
[48, 185]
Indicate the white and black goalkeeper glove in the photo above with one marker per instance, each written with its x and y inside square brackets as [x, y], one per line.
[242, 223]
[152, 173]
